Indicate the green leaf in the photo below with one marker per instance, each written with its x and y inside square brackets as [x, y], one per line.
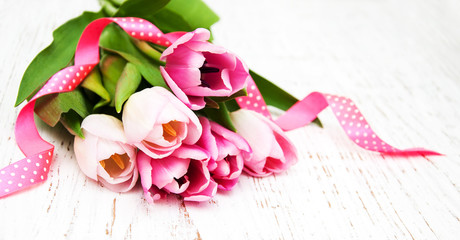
[275, 96]
[93, 83]
[49, 108]
[184, 15]
[232, 105]
[127, 85]
[115, 40]
[169, 21]
[140, 8]
[111, 68]
[55, 57]
[220, 115]
[72, 122]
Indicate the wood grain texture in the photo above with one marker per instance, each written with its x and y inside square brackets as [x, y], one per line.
[400, 62]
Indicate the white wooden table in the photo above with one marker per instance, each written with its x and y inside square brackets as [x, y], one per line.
[400, 62]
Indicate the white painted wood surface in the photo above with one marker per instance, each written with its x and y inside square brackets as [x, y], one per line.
[400, 62]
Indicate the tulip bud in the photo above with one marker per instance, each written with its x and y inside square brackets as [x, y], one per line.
[272, 151]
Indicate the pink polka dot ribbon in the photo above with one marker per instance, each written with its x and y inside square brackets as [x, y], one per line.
[346, 112]
[35, 166]
[254, 100]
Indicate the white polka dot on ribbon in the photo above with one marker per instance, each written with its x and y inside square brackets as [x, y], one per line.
[355, 126]
[25, 172]
[65, 80]
[143, 30]
[254, 100]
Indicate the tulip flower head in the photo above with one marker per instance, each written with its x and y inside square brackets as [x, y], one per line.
[183, 172]
[103, 155]
[157, 123]
[272, 151]
[227, 150]
[196, 69]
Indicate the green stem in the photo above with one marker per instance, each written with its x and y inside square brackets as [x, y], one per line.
[147, 49]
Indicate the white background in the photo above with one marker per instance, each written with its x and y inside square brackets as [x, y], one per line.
[399, 61]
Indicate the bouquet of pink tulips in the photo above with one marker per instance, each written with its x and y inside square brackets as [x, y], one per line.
[147, 95]
[160, 114]
[172, 148]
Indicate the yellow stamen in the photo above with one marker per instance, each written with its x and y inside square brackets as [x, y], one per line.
[169, 129]
[117, 159]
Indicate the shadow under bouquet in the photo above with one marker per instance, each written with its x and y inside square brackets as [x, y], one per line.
[148, 96]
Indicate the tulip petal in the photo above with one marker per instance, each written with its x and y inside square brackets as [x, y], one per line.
[239, 76]
[191, 152]
[154, 194]
[207, 140]
[205, 195]
[104, 126]
[155, 153]
[185, 57]
[199, 177]
[165, 170]
[223, 168]
[198, 46]
[123, 186]
[190, 77]
[226, 184]
[106, 148]
[233, 137]
[258, 135]
[176, 187]
[137, 121]
[176, 90]
[86, 154]
[200, 34]
[145, 170]
[196, 103]
[226, 148]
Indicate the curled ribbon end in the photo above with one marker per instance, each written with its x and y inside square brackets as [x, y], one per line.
[412, 152]
[25, 173]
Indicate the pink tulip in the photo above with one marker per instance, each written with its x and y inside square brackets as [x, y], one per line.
[184, 172]
[226, 149]
[157, 123]
[196, 69]
[103, 154]
[272, 152]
